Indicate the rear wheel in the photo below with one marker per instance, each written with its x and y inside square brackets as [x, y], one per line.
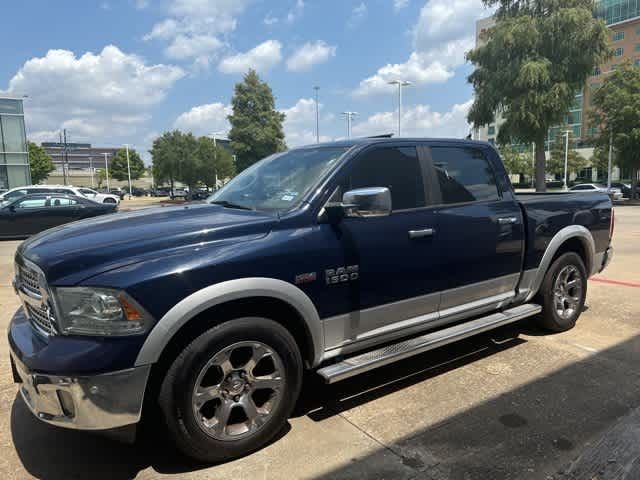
[563, 293]
[232, 389]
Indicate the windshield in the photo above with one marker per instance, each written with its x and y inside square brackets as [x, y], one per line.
[279, 182]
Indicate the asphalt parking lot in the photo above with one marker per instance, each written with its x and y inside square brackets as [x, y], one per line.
[517, 403]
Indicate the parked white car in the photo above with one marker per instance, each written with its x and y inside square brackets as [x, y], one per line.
[614, 193]
[67, 189]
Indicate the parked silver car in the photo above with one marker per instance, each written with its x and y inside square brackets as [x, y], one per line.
[614, 193]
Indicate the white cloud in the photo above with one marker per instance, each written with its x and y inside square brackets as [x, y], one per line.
[261, 58]
[193, 27]
[310, 54]
[100, 97]
[444, 32]
[419, 121]
[295, 12]
[300, 123]
[400, 4]
[269, 20]
[358, 14]
[204, 119]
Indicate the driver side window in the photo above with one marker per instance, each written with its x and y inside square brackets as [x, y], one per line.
[397, 168]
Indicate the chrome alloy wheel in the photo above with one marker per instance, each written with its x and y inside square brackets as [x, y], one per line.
[237, 390]
[567, 291]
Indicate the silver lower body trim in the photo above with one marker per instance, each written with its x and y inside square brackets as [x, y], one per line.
[98, 402]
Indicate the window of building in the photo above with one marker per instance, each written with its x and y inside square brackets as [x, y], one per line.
[574, 117]
[592, 131]
[618, 52]
[617, 36]
[596, 71]
[492, 130]
[396, 168]
[464, 175]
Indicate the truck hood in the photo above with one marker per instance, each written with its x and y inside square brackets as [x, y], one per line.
[75, 251]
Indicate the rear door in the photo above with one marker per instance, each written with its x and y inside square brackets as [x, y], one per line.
[27, 217]
[62, 209]
[480, 235]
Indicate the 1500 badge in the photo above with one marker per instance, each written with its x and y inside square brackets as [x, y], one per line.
[341, 274]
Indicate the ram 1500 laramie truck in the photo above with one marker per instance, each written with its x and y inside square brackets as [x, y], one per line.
[336, 258]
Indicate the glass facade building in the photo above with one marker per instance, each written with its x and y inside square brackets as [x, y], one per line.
[616, 11]
[14, 157]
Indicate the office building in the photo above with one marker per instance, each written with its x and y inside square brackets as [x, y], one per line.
[14, 156]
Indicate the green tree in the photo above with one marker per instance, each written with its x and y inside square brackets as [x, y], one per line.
[256, 125]
[189, 170]
[165, 158]
[516, 162]
[532, 63]
[616, 113]
[575, 162]
[216, 163]
[118, 167]
[40, 163]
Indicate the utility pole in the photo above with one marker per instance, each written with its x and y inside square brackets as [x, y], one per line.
[533, 163]
[215, 155]
[566, 159]
[91, 169]
[316, 88]
[609, 162]
[400, 83]
[349, 116]
[128, 169]
[106, 169]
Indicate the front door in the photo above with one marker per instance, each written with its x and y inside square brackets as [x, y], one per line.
[398, 271]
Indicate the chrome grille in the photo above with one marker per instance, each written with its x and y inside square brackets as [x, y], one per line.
[28, 279]
[40, 318]
[30, 282]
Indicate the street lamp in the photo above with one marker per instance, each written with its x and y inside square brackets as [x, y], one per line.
[609, 161]
[128, 169]
[316, 88]
[215, 154]
[566, 158]
[400, 83]
[349, 116]
[91, 169]
[106, 169]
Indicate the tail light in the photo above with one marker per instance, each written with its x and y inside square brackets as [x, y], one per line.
[613, 223]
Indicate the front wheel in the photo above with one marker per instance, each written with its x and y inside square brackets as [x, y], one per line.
[232, 389]
[563, 293]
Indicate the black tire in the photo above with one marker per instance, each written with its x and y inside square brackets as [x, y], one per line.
[550, 318]
[109, 200]
[177, 390]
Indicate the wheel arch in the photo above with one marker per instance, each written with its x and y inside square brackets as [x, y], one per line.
[574, 238]
[251, 293]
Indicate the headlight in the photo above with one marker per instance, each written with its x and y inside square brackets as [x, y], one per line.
[98, 311]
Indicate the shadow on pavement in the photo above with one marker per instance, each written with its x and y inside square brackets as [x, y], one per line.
[533, 431]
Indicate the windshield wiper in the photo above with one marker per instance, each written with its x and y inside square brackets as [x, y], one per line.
[227, 204]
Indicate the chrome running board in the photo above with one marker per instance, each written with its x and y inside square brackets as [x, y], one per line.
[391, 353]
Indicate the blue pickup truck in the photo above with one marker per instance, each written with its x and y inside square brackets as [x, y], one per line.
[336, 258]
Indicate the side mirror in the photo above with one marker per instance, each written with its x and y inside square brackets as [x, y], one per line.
[367, 202]
[11, 208]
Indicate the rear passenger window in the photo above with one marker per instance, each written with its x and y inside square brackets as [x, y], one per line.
[396, 168]
[464, 175]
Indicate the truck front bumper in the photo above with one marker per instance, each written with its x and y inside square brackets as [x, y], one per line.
[105, 400]
[98, 402]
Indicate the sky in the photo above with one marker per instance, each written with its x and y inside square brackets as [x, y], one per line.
[125, 71]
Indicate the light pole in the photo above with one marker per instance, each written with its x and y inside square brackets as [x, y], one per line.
[400, 83]
[609, 161]
[316, 88]
[128, 169]
[91, 169]
[215, 155]
[106, 169]
[566, 158]
[349, 116]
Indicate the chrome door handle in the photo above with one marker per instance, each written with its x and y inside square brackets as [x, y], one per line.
[507, 220]
[427, 232]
